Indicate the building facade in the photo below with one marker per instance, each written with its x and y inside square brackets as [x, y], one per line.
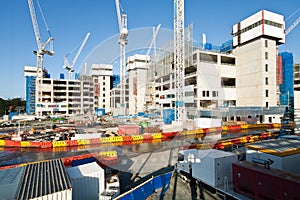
[102, 79]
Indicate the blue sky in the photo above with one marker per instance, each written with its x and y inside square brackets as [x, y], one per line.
[69, 21]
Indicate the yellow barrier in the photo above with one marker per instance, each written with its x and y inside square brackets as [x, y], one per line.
[25, 144]
[157, 140]
[137, 142]
[244, 126]
[83, 142]
[156, 136]
[105, 140]
[2, 143]
[224, 128]
[59, 144]
[137, 137]
[116, 139]
[108, 154]
[199, 131]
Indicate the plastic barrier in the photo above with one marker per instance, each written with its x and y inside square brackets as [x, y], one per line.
[137, 137]
[59, 143]
[72, 143]
[95, 141]
[25, 144]
[35, 144]
[147, 137]
[108, 154]
[2, 143]
[156, 136]
[244, 126]
[137, 142]
[127, 138]
[157, 140]
[199, 131]
[224, 128]
[45, 144]
[116, 139]
[234, 128]
[11, 143]
[84, 142]
[105, 140]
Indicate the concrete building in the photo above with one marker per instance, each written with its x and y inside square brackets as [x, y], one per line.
[137, 67]
[102, 79]
[59, 96]
[255, 42]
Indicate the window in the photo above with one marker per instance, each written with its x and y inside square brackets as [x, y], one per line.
[266, 43]
[266, 67]
[96, 80]
[267, 104]
[267, 93]
[104, 89]
[207, 93]
[203, 93]
[266, 55]
[103, 77]
[103, 83]
[215, 93]
[266, 81]
[103, 95]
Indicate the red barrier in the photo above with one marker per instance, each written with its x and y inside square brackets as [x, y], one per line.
[127, 138]
[147, 137]
[12, 143]
[95, 141]
[46, 144]
[169, 134]
[234, 128]
[72, 143]
[35, 144]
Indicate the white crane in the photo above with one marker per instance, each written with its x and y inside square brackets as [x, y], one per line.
[41, 51]
[179, 59]
[153, 41]
[67, 65]
[122, 21]
[289, 29]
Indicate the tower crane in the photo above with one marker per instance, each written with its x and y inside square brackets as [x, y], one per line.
[153, 41]
[179, 59]
[289, 29]
[41, 51]
[122, 21]
[67, 65]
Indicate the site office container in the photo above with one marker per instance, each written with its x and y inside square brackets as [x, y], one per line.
[87, 180]
[257, 182]
[213, 167]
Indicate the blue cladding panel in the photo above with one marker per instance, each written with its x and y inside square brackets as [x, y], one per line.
[30, 95]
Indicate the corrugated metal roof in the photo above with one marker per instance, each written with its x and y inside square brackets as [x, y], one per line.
[43, 178]
[9, 182]
[84, 170]
[279, 147]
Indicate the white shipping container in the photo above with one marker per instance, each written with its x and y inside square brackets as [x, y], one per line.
[87, 180]
[213, 167]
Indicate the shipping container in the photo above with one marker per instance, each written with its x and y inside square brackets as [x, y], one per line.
[257, 182]
[88, 181]
[212, 167]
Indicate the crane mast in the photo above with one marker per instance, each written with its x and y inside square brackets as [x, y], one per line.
[40, 52]
[179, 59]
[292, 26]
[122, 20]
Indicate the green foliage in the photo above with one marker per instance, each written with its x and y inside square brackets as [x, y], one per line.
[5, 105]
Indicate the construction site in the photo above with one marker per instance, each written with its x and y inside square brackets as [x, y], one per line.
[180, 119]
